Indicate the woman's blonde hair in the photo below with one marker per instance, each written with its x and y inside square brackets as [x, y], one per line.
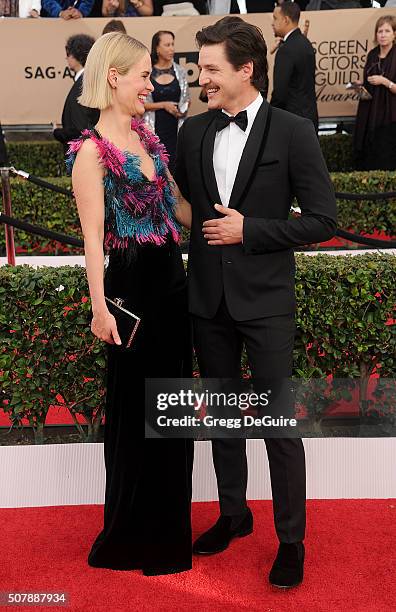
[113, 50]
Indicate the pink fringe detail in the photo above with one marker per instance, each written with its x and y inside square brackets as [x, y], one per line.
[150, 140]
[110, 156]
[74, 146]
[148, 201]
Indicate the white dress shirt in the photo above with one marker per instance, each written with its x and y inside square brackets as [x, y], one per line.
[223, 7]
[228, 149]
[78, 74]
[25, 6]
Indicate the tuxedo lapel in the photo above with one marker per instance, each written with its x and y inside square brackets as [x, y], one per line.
[251, 153]
[208, 173]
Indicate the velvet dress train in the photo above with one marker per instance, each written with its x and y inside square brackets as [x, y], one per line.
[147, 510]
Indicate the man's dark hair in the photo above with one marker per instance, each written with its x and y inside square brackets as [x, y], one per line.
[115, 25]
[79, 46]
[155, 41]
[291, 10]
[243, 43]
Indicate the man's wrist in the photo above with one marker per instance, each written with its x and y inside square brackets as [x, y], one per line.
[390, 84]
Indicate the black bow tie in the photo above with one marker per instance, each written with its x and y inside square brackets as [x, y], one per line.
[240, 119]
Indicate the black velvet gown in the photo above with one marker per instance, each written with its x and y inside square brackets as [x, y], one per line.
[148, 481]
[147, 512]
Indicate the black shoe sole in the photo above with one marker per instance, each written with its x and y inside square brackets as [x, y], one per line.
[288, 586]
[241, 534]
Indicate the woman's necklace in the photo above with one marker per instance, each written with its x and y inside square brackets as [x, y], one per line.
[164, 70]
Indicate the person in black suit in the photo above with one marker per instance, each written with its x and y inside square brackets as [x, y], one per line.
[75, 117]
[294, 69]
[260, 6]
[252, 159]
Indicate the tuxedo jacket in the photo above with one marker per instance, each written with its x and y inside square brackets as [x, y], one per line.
[281, 159]
[294, 77]
[75, 117]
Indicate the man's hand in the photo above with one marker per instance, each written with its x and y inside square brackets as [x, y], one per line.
[75, 13]
[228, 230]
[66, 14]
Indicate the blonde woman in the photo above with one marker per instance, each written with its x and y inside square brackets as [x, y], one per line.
[127, 209]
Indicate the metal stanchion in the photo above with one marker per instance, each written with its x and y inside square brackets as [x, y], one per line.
[7, 208]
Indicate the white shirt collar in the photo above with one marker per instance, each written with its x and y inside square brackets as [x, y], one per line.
[288, 34]
[251, 110]
[78, 74]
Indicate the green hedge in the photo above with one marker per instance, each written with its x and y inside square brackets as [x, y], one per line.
[338, 152]
[40, 158]
[366, 216]
[58, 212]
[47, 158]
[47, 209]
[344, 311]
[46, 345]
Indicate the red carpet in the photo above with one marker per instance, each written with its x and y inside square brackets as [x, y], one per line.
[350, 562]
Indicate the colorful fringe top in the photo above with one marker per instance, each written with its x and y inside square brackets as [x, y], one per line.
[137, 210]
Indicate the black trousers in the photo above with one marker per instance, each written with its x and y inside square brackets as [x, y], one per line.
[269, 345]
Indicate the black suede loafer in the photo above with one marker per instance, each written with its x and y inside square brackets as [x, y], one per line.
[288, 568]
[218, 537]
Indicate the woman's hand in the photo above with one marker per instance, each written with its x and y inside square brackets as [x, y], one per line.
[377, 79]
[171, 108]
[104, 327]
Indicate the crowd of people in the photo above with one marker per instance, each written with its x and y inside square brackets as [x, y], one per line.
[240, 287]
[166, 106]
[75, 9]
[293, 87]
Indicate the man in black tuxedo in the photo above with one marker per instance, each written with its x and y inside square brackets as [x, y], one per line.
[253, 159]
[75, 117]
[294, 69]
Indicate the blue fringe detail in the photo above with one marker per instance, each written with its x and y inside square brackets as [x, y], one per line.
[154, 217]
